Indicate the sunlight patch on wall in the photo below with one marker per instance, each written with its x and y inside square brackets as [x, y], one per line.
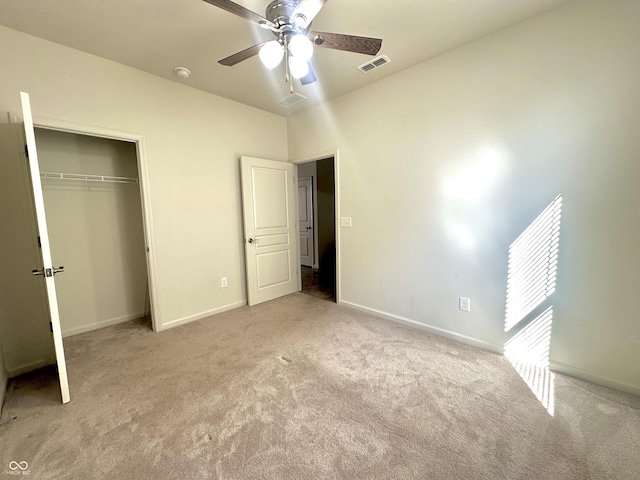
[464, 184]
[533, 263]
[462, 234]
[475, 175]
[531, 344]
[531, 279]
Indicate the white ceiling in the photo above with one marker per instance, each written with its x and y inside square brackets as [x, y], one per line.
[157, 35]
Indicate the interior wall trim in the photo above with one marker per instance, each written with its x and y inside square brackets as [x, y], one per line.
[474, 342]
[101, 324]
[198, 316]
[335, 153]
[27, 367]
[4, 383]
[594, 378]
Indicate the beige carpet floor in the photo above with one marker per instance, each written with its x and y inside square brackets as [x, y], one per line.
[300, 388]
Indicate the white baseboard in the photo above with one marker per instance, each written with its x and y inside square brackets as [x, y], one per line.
[104, 323]
[474, 342]
[593, 378]
[4, 382]
[27, 367]
[198, 316]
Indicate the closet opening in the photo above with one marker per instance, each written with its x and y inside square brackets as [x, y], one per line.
[95, 213]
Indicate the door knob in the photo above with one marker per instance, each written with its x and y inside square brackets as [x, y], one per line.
[59, 269]
[252, 240]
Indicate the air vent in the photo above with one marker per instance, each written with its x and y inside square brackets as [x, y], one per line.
[373, 64]
[291, 99]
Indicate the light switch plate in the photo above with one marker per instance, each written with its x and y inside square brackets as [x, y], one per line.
[345, 222]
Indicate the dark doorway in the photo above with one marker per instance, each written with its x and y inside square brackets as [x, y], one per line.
[319, 279]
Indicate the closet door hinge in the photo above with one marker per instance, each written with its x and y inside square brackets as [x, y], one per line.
[51, 327]
[39, 244]
[26, 152]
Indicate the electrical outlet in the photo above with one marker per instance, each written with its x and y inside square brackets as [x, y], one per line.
[223, 282]
[465, 304]
[345, 222]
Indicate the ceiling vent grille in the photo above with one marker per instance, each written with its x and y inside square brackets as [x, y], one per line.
[291, 99]
[373, 64]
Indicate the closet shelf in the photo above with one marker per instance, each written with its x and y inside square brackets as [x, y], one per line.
[86, 178]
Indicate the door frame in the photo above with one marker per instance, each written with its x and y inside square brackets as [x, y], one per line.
[335, 154]
[145, 190]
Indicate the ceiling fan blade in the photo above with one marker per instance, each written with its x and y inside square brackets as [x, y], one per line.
[348, 43]
[309, 77]
[239, 10]
[231, 60]
[309, 9]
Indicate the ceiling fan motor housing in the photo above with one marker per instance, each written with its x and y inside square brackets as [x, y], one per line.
[280, 13]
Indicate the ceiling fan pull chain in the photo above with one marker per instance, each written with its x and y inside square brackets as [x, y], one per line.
[286, 65]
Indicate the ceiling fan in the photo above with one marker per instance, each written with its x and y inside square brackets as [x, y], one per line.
[289, 21]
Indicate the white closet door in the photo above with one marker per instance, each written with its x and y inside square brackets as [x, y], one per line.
[48, 271]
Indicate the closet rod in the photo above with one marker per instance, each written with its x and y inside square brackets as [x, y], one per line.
[86, 178]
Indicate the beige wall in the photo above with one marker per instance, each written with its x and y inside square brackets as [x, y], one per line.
[443, 165]
[3, 377]
[193, 143]
[95, 230]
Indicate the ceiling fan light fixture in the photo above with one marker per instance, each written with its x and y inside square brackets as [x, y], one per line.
[271, 54]
[298, 67]
[300, 21]
[289, 21]
[301, 47]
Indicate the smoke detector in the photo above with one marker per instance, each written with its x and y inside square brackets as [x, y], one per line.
[182, 72]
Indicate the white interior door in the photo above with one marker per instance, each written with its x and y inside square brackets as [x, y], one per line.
[48, 271]
[270, 228]
[305, 218]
